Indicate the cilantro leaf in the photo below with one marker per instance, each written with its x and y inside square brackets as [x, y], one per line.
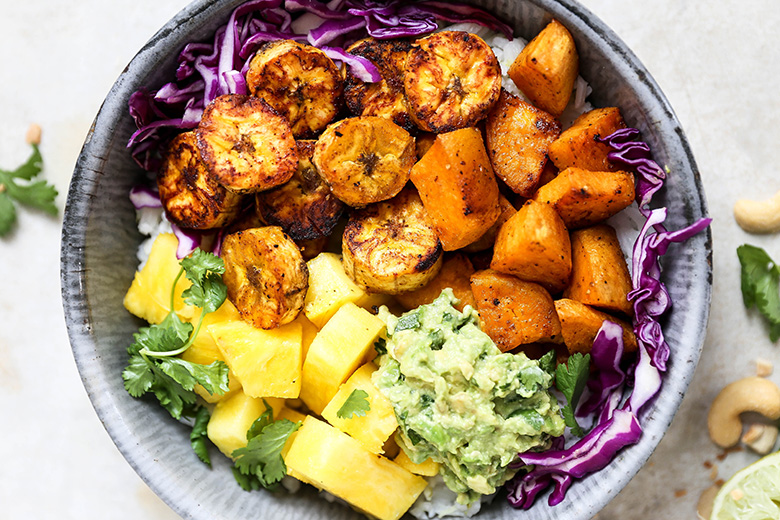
[266, 418]
[171, 334]
[213, 377]
[410, 320]
[380, 345]
[570, 379]
[548, 362]
[38, 194]
[208, 294]
[198, 265]
[262, 456]
[199, 438]
[761, 285]
[356, 404]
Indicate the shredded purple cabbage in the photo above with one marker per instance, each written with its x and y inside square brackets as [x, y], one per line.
[616, 426]
[208, 70]
[143, 196]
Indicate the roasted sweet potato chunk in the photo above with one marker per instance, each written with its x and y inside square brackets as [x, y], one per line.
[579, 146]
[514, 312]
[518, 136]
[580, 324]
[487, 240]
[455, 273]
[458, 188]
[547, 68]
[583, 198]
[599, 275]
[534, 246]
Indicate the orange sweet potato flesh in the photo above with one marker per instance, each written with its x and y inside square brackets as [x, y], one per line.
[458, 188]
[487, 240]
[518, 136]
[578, 145]
[534, 245]
[546, 68]
[514, 312]
[580, 324]
[599, 274]
[455, 273]
[583, 197]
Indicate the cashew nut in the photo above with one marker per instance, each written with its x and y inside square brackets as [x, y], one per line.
[33, 134]
[760, 437]
[751, 394]
[758, 216]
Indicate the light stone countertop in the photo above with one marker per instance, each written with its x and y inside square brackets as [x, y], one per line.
[719, 65]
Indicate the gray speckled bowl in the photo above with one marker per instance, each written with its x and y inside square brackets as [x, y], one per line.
[98, 262]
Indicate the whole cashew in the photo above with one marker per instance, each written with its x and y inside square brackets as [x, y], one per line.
[758, 216]
[751, 394]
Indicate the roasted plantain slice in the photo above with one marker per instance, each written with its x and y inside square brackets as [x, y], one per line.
[266, 276]
[385, 98]
[452, 79]
[246, 146]
[299, 81]
[364, 159]
[190, 196]
[391, 247]
[303, 207]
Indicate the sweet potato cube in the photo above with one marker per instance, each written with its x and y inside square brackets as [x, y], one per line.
[333, 461]
[342, 345]
[546, 68]
[578, 145]
[457, 187]
[534, 246]
[583, 197]
[599, 275]
[455, 273]
[487, 240]
[580, 324]
[514, 312]
[518, 136]
[377, 425]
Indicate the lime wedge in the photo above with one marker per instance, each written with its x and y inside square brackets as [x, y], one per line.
[752, 494]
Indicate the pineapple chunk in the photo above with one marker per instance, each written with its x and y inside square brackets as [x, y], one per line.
[149, 296]
[330, 288]
[334, 461]
[294, 416]
[343, 344]
[427, 468]
[267, 363]
[309, 332]
[374, 428]
[232, 417]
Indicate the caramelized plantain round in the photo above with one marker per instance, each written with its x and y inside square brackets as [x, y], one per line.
[391, 247]
[452, 79]
[266, 276]
[384, 98]
[190, 196]
[246, 146]
[364, 159]
[303, 207]
[299, 81]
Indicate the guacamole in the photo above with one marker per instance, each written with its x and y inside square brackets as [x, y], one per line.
[459, 400]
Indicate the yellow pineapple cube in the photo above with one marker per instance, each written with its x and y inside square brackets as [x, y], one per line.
[376, 426]
[342, 345]
[330, 288]
[232, 417]
[335, 462]
[427, 468]
[149, 296]
[267, 363]
[309, 332]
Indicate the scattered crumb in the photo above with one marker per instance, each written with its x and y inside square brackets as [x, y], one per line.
[727, 451]
[33, 134]
[680, 493]
[720, 482]
[764, 367]
[714, 473]
[704, 507]
[708, 464]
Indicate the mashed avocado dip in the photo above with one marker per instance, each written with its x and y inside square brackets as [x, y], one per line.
[459, 400]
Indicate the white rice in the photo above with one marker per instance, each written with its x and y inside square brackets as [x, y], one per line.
[438, 501]
[151, 222]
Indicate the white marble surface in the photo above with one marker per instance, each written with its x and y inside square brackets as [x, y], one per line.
[716, 62]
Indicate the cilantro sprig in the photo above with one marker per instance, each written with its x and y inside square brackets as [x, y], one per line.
[356, 405]
[18, 186]
[260, 462]
[760, 282]
[153, 366]
[570, 379]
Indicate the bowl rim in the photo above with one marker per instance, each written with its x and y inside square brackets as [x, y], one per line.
[86, 178]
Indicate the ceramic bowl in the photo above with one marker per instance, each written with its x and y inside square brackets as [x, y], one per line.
[99, 241]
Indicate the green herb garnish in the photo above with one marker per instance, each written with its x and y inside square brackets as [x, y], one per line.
[570, 379]
[760, 282]
[18, 186]
[356, 405]
[199, 438]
